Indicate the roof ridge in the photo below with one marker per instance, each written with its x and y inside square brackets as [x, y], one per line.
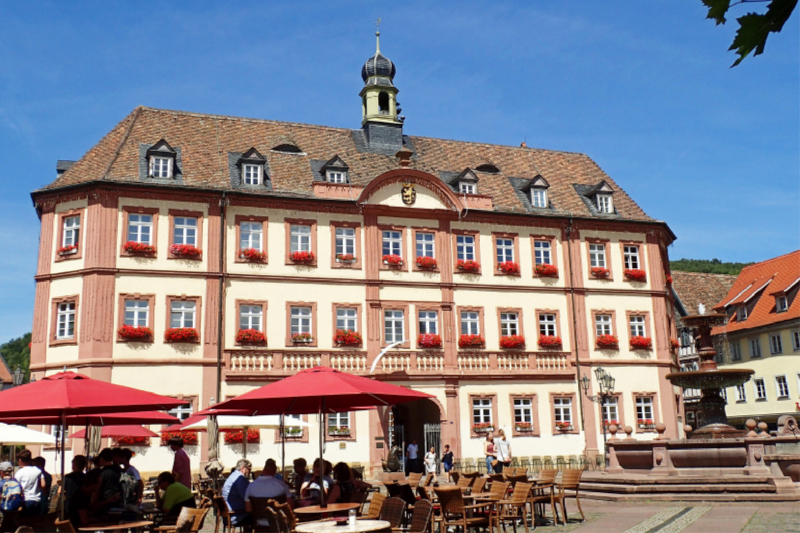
[705, 273]
[525, 148]
[767, 261]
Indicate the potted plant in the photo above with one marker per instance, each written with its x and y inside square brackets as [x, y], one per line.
[547, 271]
[302, 258]
[293, 432]
[669, 279]
[347, 259]
[426, 263]
[135, 333]
[607, 341]
[564, 426]
[635, 274]
[523, 427]
[641, 343]
[181, 335]
[471, 341]
[345, 337]
[237, 436]
[133, 441]
[512, 342]
[185, 251]
[393, 260]
[483, 427]
[607, 423]
[138, 248]
[68, 250]
[468, 266]
[645, 423]
[251, 255]
[600, 272]
[302, 338]
[674, 344]
[429, 340]
[250, 336]
[189, 437]
[509, 268]
[549, 341]
[338, 432]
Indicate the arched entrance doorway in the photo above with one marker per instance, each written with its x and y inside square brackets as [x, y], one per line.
[417, 422]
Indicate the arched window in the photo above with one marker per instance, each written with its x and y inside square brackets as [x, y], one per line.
[383, 103]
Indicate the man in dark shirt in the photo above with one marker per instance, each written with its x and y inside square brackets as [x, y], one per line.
[109, 494]
[81, 510]
[74, 480]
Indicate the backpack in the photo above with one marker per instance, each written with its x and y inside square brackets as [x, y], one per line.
[128, 484]
[12, 497]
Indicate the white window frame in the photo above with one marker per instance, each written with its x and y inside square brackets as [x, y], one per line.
[251, 317]
[470, 323]
[71, 233]
[347, 319]
[610, 408]
[136, 313]
[597, 255]
[523, 410]
[644, 408]
[796, 339]
[562, 410]
[741, 393]
[760, 389]
[182, 314]
[65, 320]
[782, 387]
[161, 166]
[602, 325]
[339, 420]
[299, 238]
[182, 412]
[251, 235]
[542, 253]
[345, 241]
[736, 351]
[300, 320]
[184, 232]
[547, 324]
[781, 304]
[605, 203]
[428, 322]
[336, 176]
[637, 326]
[392, 243]
[630, 253]
[467, 188]
[393, 326]
[252, 174]
[140, 228]
[741, 312]
[505, 250]
[775, 344]
[465, 247]
[509, 324]
[539, 197]
[755, 348]
[482, 411]
[425, 245]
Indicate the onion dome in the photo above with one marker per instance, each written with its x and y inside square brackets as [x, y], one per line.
[378, 69]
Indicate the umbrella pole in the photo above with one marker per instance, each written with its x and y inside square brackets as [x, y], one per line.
[244, 443]
[283, 449]
[323, 498]
[61, 495]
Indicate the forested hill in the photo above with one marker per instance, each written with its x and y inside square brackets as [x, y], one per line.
[17, 352]
[712, 266]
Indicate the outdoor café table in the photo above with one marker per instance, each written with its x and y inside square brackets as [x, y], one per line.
[330, 508]
[329, 526]
[118, 527]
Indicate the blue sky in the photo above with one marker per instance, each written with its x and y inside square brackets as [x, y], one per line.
[644, 88]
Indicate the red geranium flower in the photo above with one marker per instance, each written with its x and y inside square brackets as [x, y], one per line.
[512, 341]
[509, 267]
[471, 341]
[252, 255]
[237, 436]
[548, 341]
[468, 266]
[138, 333]
[429, 340]
[302, 337]
[545, 270]
[641, 343]
[189, 437]
[185, 250]
[250, 336]
[607, 341]
[635, 274]
[71, 249]
[133, 441]
[133, 247]
[181, 335]
[302, 257]
[346, 258]
[600, 272]
[393, 260]
[347, 338]
[426, 263]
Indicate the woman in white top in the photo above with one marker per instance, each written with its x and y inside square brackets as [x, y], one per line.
[430, 461]
[503, 450]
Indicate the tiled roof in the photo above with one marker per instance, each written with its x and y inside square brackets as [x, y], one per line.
[5, 373]
[204, 143]
[694, 288]
[756, 283]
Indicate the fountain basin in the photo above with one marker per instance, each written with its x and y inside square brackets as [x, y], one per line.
[710, 379]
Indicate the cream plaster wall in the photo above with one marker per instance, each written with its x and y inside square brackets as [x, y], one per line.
[58, 236]
[404, 294]
[620, 304]
[391, 196]
[614, 259]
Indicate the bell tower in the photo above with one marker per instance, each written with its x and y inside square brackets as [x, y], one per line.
[379, 111]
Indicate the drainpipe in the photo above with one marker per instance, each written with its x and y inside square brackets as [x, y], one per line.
[221, 304]
[575, 323]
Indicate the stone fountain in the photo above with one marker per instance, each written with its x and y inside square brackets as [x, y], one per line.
[710, 380]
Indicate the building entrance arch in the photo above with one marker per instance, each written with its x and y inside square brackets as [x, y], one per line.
[417, 422]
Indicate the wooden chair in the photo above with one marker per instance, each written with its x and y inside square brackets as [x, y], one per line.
[64, 526]
[189, 521]
[517, 479]
[421, 518]
[223, 515]
[497, 477]
[414, 478]
[359, 497]
[525, 463]
[545, 492]
[456, 465]
[270, 515]
[393, 510]
[480, 465]
[547, 462]
[454, 476]
[455, 513]
[260, 511]
[393, 489]
[422, 493]
[285, 513]
[499, 489]
[464, 482]
[536, 463]
[429, 479]
[515, 508]
[514, 462]
[408, 496]
[521, 471]
[374, 510]
[570, 480]
[477, 485]
[469, 466]
[561, 463]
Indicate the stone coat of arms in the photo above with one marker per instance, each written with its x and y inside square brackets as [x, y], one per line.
[409, 194]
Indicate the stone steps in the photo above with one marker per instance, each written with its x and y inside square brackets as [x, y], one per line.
[683, 497]
[675, 488]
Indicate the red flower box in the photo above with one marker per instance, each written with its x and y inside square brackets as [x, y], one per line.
[674, 343]
[189, 437]
[338, 432]
[68, 250]
[346, 258]
[135, 248]
[186, 251]
[426, 263]
[549, 271]
[641, 343]
[133, 441]
[472, 267]
[549, 341]
[600, 272]
[393, 260]
[471, 341]
[237, 436]
[483, 427]
[429, 340]
[252, 255]
[250, 336]
[137, 334]
[635, 274]
[302, 338]
[669, 279]
[347, 338]
[607, 341]
[563, 426]
[181, 335]
[523, 426]
[645, 423]
[511, 342]
[607, 423]
[509, 268]
[305, 258]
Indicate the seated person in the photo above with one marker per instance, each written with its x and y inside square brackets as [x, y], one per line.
[234, 490]
[73, 482]
[299, 474]
[268, 486]
[83, 504]
[343, 487]
[176, 495]
[311, 487]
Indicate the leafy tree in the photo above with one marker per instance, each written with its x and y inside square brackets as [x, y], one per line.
[17, 352]
[710, 266]
[754, 28]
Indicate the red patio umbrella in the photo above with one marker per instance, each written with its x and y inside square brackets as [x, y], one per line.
[111, 432]
[321, 390]
[101, 419]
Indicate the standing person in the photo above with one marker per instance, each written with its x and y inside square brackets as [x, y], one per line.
[32, 482]
[430, 461]
[503, 448]
[109, 493]
[74, 481]
[447, 460]
[488, 451]
[39, 463]
[12, 499]
[234, 490]
[411, 457]
[267, 486]
[181, 467]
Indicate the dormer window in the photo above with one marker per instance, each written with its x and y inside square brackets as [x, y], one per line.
[251, 174]
[251, 168]
[539, 197]
[605, 203]
[161, 160]
[161, 167]
[741, 313]
[467, 182]
[335, 170]
[336, 176]
[781, 304]
[467, 188]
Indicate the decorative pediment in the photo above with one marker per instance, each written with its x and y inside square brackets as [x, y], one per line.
[407, 188]
[161, 148]
[601, 187]
[335, 163]
[539, 182]
[252, 156]
[467, 176]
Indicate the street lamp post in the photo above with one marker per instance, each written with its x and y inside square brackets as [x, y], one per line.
[17, 376]
[606, 384]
